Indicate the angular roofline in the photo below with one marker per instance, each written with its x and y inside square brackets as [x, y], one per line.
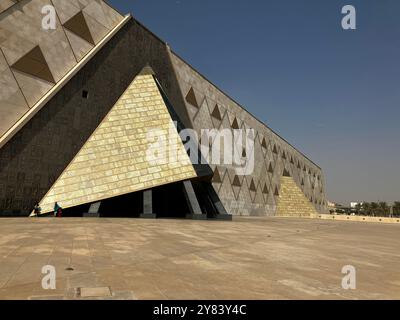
[245, 109]
[107, 2]
[223, 92]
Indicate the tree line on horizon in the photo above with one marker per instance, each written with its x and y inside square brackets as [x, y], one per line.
[378, 209]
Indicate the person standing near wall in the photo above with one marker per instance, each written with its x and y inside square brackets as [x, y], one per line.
[37, 210]
[57, 210]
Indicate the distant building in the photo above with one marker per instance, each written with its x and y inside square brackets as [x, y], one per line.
[354, 205]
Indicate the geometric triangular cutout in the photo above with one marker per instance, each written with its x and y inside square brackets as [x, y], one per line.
[286, 173]
[275, 150]
[191, 98]
[264, 143]
[217, 176]
[270, 169]
[236, 182]
[216, 114]
[265, 190]
[253, 186]
[34, 64]
[284, 155]
[115, 161]
[78, 25]
[235, 124]
[276, 193]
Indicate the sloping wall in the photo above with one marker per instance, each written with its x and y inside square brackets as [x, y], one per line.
[258, 193]
[292, 202]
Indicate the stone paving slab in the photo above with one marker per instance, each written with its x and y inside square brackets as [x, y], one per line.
[249, 258]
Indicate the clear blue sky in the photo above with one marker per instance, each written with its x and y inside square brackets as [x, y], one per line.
[334, 94]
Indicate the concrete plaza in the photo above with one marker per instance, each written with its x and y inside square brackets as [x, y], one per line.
[249, 258]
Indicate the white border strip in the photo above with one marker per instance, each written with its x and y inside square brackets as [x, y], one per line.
[60, 84]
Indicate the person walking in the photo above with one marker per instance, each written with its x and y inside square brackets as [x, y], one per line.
[37, 210]
[57, 210]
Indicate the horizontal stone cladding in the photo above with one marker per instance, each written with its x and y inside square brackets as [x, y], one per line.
[257, 193]
[36, 156]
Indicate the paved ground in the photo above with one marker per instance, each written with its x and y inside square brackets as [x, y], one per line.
[250, 258]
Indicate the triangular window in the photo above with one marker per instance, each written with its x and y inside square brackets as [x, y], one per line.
[252, 185]
[236, 182]
[34, 64]
[264, 143]
[191, 98]
[235, 124]
[217, 176]
[216, 113]
[78, 25]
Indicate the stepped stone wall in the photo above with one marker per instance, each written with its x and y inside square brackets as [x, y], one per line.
[292, 202]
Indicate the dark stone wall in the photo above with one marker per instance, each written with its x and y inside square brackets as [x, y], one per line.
[36, 156]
